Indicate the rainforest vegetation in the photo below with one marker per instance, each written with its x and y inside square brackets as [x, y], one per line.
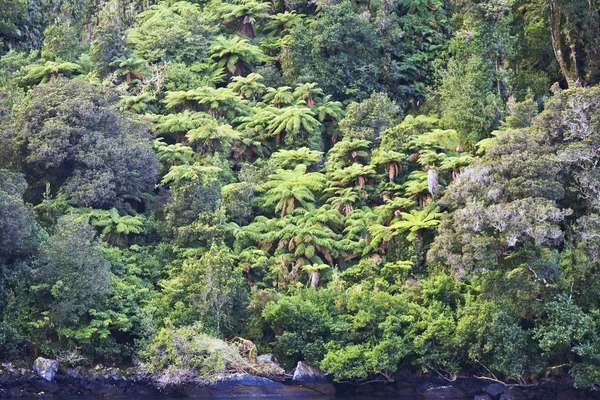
[370, 186]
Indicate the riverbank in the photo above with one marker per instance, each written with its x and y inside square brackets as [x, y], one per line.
[112, 382]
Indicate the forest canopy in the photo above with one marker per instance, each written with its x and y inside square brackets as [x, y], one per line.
[372, 187]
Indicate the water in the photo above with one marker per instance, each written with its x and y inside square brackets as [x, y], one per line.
[138, 397]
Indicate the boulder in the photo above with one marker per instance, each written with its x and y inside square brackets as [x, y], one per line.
[268, 367]
[244, 385]
[138, 390]
[495, 389]
[45, 386]
[571, 395]
[513, 394]
[304, 373]
[406, 392]
[483, 397]
[45, 368]
[312, 378]
[444, 392]
[267, 359]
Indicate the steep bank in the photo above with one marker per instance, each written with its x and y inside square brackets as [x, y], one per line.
[101, 381]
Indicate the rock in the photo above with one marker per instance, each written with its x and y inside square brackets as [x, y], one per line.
[76, 373]
[483, 397]
[495, 389]
[267, 359]
[141, 391]
[268, 367]
[106, 390]
[444, 392]
[42, 385]
[245, 385]
[406, 392]
[570, 395]
[45, 368]
[312, 378]
[513, 394]
[15, 392]
[304, 373]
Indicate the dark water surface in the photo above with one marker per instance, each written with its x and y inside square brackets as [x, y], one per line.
[138, 397]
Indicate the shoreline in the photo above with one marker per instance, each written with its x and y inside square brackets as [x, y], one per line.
[111, 382]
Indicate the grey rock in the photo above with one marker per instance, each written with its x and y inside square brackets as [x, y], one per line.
[42, 385]
[245, 385]
[444, 392]
[406, 392]
[267, 359]
[45, 368]
[495, 389]
[268, 367]
[305, 373]
[483, 397]
[513, 394]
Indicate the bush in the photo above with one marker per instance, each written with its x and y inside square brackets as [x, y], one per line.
[178, 355]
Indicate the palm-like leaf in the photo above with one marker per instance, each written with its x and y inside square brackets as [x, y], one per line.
[313, 273]
[287, 189]
[307, 93]
[290, 159]
[42, 73]
[297, 123]
[282, 96]
[393, 208]
[347, 152]
[114, 226]
[417, 186]
[412, 224]
[179, 123]
[437, 139]
[236, 54]
[173, 154]
[139, 104]
[221, 102]
[185, 173]
[245, 14]
[280, 24]
[129, 68]
[391, 160]
[455, 163]
[249, 87]
[354, 175]
[343, 199]
[327, 109]
[213, 136]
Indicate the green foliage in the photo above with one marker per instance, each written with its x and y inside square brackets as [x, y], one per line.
[368, 119]
[50, 70]
[61, 42]
[288, 189]
[72, 137]
[22, 25]
[178, 32]
[338, 51]
[302, 324]
[73, 270]
[176, 355]
[236, 55]
[208, 289]
[18, 229]
[470, 103]
[378, 189]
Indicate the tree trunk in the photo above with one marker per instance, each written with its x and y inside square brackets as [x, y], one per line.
[570, 73]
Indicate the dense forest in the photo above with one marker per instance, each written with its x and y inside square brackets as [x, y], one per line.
[370, 186]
